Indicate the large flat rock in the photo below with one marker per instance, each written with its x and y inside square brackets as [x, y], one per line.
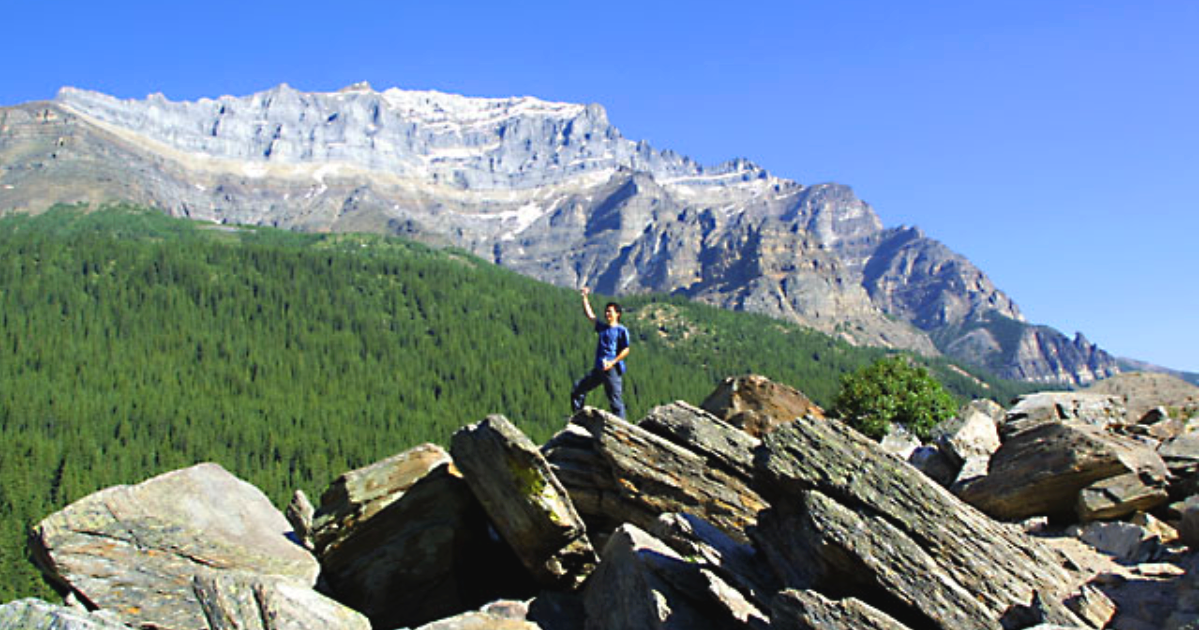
[136, 549]
[846, 515]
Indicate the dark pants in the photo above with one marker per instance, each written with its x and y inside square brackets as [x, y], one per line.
[611, 381]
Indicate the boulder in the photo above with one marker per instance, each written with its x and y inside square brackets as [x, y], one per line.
[359, 494]
[809, 610]
[643, 583]
[814, 542]
[1120, 496]
[724, 446]
[35, 614]
[847, 519]
[1126, 542]
[973, 434]
[416, 560]
[1032, 410]
[136, 549]
[245, 601]
[660, 476]
[1041, 470]
[757, 405]
[526, 503]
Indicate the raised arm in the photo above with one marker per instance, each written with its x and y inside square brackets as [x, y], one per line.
[587, 306]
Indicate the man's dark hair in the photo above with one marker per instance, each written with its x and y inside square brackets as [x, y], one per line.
[616, 307]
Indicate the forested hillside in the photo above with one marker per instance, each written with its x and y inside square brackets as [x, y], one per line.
[132, 344]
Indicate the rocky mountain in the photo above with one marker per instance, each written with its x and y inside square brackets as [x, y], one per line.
[551, 190]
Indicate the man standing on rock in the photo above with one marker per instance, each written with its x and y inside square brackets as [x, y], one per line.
[611, 349]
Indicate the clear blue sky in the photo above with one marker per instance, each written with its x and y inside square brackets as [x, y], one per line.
[1054, 143]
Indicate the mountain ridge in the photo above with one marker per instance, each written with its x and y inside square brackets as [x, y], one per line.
[552, 190]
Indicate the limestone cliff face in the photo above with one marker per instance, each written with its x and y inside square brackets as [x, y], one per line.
[551, 190]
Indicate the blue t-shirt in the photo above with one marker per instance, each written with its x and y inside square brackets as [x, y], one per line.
[613, 339]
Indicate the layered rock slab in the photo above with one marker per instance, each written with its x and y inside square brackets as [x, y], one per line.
[844, 512]
[1042, 467]
[135, 550]
[525, 501]
[655, 476]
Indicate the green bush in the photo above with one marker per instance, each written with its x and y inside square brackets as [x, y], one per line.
[893, 391]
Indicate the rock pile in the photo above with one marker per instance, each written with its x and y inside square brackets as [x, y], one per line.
[682, 520]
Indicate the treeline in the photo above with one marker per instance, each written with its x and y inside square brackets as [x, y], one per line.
[133, 343]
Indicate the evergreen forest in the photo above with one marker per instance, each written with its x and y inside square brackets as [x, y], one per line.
[133, 343]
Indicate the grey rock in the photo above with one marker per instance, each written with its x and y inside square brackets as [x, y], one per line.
[1120, 496]
[809, 610]
[233, 601]
[972, 434]
[1032, 410]
[525, 501]
[813, 542]
[725, 446]
[35, 614]
[844, 512]
[660, 476]
[989, 408]
[136, 548]
[1126, 542]
[1042, 469]
[557, 610]
[643, 583]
